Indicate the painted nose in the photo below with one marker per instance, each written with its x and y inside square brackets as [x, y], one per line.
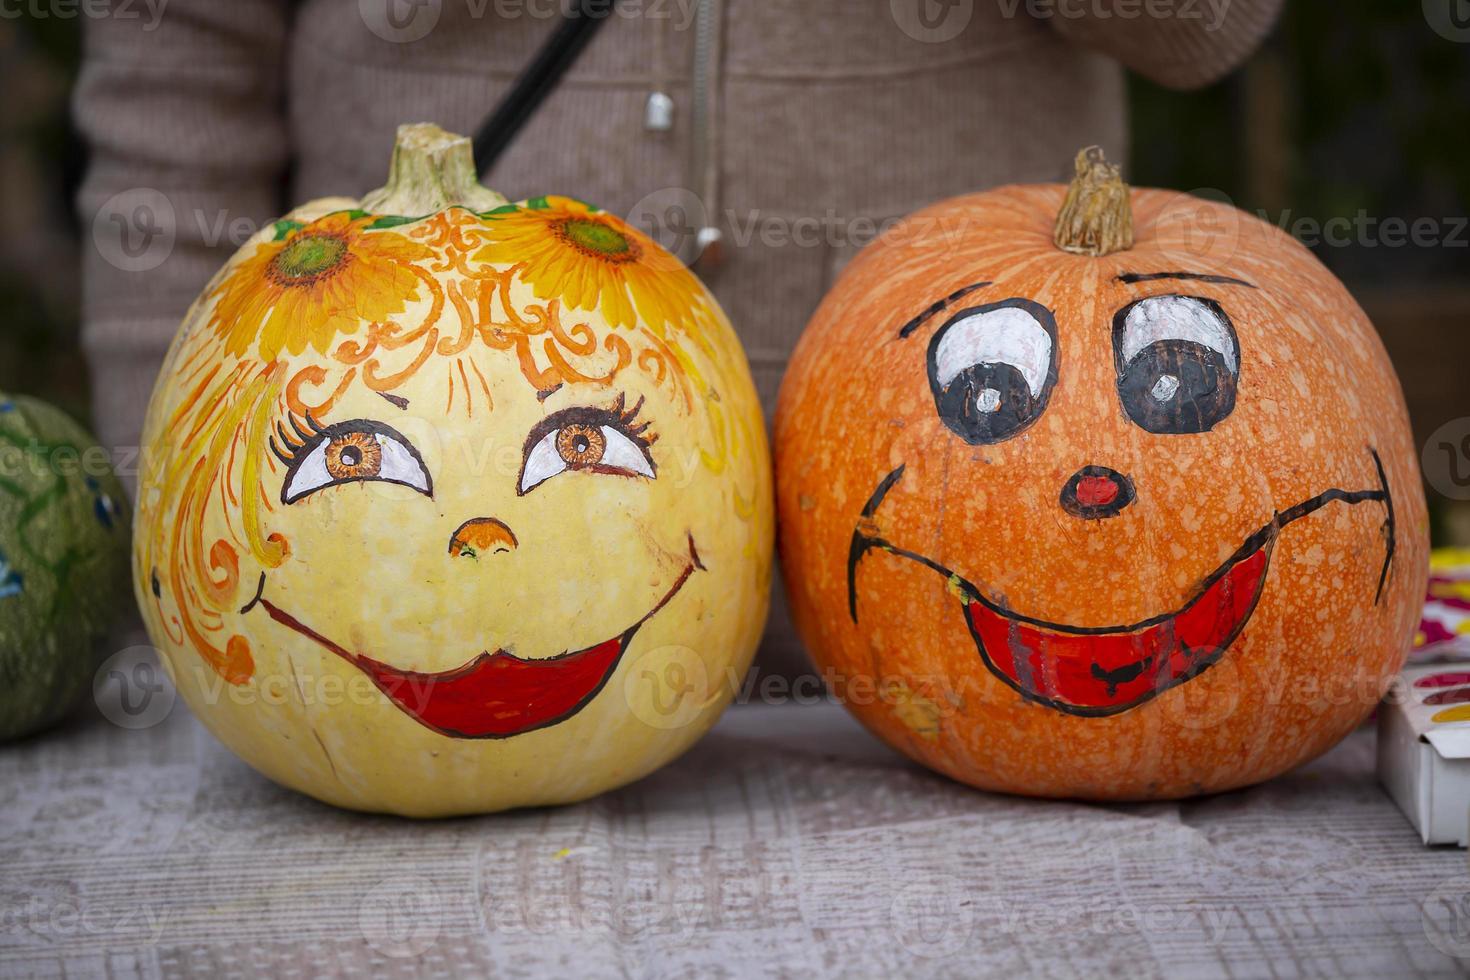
[481, 537]
[1095, 492]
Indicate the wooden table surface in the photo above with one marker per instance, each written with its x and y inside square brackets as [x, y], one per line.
[788, 843]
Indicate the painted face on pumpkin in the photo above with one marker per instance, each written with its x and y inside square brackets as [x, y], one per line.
[995, 365]
[480, 671]
[470, 457]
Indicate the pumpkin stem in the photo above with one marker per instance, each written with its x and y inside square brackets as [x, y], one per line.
[1096, 217]
[432, 170]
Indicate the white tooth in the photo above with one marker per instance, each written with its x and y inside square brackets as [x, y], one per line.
[988, 400]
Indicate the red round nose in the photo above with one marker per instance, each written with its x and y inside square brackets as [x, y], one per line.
[1095, 492]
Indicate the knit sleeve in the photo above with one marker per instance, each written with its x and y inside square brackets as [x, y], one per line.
[184, 118]
[1182, 44]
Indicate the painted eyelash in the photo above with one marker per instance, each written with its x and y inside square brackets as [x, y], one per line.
[628, 421]
[304, 437]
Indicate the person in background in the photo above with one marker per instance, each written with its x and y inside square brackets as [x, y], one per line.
[764, 140]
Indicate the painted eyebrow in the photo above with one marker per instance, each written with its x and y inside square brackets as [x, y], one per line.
[938, 307]
[1132, 277]
[396, 400]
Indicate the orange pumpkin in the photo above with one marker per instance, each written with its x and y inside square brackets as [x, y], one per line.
[1067, 513]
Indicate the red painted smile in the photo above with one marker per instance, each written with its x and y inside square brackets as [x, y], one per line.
[1097, 671]
[495, 695]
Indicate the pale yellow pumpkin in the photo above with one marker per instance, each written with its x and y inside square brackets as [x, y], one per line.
[451, 505]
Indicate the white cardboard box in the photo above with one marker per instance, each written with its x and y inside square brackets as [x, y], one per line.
[1425, 764]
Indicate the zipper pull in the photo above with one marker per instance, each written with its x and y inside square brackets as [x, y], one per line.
[658, 113]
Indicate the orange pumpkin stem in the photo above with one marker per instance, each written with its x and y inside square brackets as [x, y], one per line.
[432, 170]
[1096, 217]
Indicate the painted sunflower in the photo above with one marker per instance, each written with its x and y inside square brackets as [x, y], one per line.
[591, 260]
[313, 282]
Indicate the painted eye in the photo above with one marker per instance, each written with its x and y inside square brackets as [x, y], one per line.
[1178, 362]
[355, 452]
[585, 439]
[580, 445]
[992, 369]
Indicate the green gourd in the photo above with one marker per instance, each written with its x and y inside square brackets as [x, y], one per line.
[64, 533]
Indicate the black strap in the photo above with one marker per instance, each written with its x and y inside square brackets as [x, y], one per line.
[499, 130]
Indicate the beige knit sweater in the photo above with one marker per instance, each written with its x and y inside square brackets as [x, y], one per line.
[798, 128]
